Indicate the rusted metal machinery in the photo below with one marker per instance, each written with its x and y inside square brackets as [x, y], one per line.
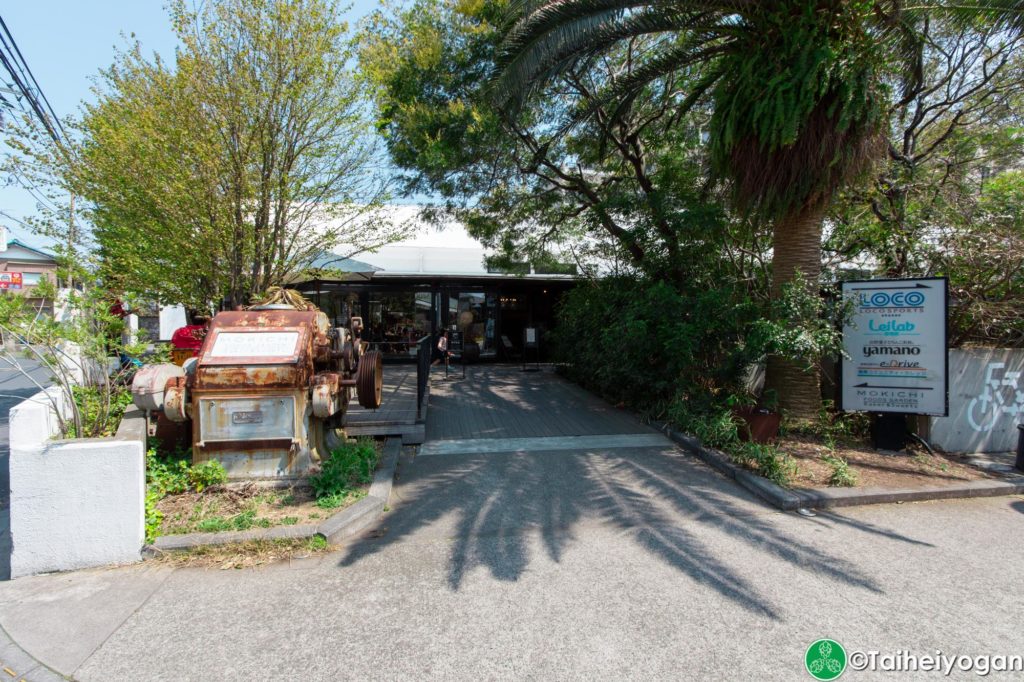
[268, 393]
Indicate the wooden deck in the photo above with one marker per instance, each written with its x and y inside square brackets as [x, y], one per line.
[397, 415]
[493, 401]
[501, 401]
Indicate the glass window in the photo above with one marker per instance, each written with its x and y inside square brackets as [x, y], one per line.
[398, 319]
[31, 278]
[473, 313]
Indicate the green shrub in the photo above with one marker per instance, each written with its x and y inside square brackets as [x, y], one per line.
[842, 476]
[714, 427]
[101, 409]
[349, 466]
[768, 460]
[173, 474]
[648, 343]
[206, 474]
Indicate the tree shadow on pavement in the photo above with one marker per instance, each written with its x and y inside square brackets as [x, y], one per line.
[1019, 506]
[496, 504]
[864, 526]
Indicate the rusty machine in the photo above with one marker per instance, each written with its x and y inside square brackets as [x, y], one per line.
[268, 393]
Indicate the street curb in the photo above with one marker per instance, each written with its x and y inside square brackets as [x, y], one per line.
[789, 500]
[344, 524]
[23, 664]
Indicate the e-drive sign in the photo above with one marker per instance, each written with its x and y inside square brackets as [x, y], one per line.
[896, 347]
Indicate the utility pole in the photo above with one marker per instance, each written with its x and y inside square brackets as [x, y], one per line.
[71, 239]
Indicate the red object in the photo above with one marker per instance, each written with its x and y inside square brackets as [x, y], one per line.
[118, 309]
[10, 280]
[190, 337]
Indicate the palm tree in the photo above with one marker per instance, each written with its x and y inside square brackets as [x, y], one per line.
[799, 92]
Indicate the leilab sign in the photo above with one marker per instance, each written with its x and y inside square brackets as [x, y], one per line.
[896, 345]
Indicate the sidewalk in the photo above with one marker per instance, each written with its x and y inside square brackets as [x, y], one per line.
[564, 556]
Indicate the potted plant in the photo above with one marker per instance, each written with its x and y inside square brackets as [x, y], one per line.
[759, 419]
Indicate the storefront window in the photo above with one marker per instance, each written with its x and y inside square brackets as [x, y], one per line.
[474, 314]
[398, 319]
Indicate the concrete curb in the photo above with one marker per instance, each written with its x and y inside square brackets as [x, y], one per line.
[788, 500]
[344, 524]
[22, 664]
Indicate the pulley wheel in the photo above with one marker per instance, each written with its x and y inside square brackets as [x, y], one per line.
[323, 439]
[370, 379]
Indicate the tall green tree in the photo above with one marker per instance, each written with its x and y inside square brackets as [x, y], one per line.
[799, 91]
[226, 172]
[937, 202]
[622, 188]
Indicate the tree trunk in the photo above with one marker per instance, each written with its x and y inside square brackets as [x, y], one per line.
[796, 246]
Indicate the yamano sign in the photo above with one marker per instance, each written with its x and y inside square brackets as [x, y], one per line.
[896, 343]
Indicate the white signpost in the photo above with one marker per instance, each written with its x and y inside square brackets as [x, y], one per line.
[897, 347]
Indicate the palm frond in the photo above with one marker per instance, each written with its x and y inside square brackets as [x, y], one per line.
[568, 45]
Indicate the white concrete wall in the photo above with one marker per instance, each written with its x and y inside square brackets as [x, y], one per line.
[986, 401]
[74, 503]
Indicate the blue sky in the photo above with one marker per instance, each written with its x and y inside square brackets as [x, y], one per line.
[66, 44]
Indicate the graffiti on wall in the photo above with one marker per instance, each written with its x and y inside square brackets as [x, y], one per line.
[1001, 394]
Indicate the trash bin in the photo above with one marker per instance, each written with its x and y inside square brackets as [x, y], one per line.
[1020, 448]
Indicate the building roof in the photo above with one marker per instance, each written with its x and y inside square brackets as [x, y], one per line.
[20, 251]
[441, 249]
[328, 260]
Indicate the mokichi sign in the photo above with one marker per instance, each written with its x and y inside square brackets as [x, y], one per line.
[896, 346]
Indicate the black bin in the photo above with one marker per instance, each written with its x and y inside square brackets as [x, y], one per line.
[1020, 448]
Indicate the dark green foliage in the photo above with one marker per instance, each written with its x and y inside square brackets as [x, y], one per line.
[348, 466]
[647, 344]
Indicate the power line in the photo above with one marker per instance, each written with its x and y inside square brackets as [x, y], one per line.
[14, 63]
[31, 75]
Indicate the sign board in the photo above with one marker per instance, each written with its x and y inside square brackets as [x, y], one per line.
[455, 342]
[897, 347]
[254, 344]
[530, 337]
[10, 280]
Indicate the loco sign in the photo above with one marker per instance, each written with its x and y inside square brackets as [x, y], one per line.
[896, 347]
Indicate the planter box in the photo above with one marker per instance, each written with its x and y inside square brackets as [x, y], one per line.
[759, 426]
[74, 503]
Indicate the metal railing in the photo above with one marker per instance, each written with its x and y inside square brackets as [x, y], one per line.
[423, 356]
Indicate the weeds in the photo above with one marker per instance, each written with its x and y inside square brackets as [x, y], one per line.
[842, 476]
[767, 460]
[248, 554]
[173, 474]
[349, 466]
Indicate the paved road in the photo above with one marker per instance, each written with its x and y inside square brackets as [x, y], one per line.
[637, 564]
[633, 561]
[15, 386]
